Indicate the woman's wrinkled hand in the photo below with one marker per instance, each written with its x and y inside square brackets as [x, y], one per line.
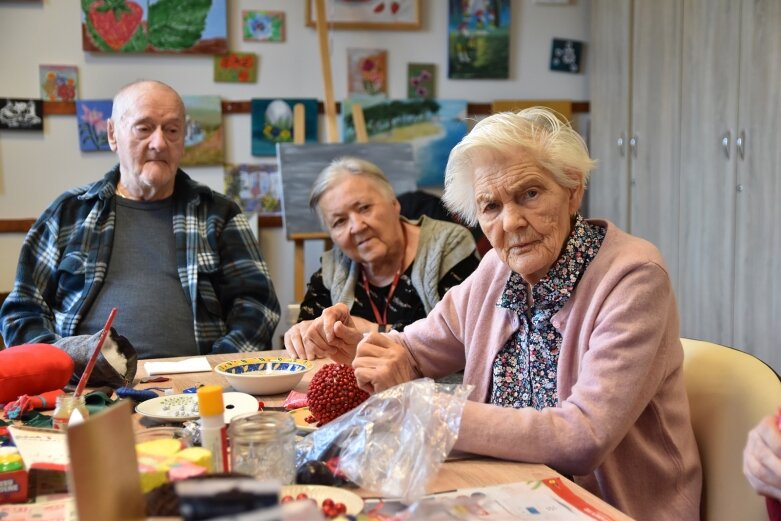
[381, 363]
[332, 335]
[762, 458]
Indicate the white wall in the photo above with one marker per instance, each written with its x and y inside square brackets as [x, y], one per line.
[35, 168]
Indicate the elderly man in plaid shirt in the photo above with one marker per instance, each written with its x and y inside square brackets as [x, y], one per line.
[178, 260]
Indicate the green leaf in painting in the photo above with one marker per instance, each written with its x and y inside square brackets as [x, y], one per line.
[177, 24]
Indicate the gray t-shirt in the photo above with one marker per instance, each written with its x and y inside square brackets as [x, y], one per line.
[142, 282]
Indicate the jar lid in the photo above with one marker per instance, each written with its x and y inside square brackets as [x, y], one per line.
[210, 400]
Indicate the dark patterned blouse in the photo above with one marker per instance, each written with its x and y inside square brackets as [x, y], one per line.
[524, 371]
[404, 308]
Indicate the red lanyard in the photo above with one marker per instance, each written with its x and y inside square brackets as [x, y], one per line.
[381, 320]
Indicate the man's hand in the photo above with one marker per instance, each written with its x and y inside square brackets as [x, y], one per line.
[381, 363]
[333, 335]
[294, 339]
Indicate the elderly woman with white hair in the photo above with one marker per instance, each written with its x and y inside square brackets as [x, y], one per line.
[568, 329]
[386, 270]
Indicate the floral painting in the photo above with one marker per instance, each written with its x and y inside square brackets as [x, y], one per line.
[58, 82]
[154, 26]
[368, 14]
[263, 26]
[203, 137]
[367, 71]
[479, 39]
[91, 116]
[255, 187]
[21, 114]
[432, 126]
[421, 80]
[272, 123]
[236, 67]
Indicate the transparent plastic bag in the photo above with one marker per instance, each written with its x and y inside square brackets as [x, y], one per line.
[395, 441]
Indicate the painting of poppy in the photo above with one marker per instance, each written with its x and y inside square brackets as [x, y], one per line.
[367, 71]
[203, 137]
[154, 26]
[479, 39]
[236, 67]
[59, 82]
[91, 116]
[272, 123]
[263, 26]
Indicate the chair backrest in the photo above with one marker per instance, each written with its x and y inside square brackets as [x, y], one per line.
[729, 392]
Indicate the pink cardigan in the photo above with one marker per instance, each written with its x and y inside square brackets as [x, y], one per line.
[622, 425]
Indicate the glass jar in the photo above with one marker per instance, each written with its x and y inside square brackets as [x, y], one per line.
[65, 405]
[262, 445]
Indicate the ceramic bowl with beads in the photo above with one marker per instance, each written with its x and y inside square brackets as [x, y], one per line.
[264, 375]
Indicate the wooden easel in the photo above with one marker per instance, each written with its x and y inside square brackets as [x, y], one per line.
[299, 239]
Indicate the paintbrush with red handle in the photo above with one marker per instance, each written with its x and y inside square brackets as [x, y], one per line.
[94, 358]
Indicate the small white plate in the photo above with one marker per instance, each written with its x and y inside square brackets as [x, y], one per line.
[351, 500]
[173, 408]
[300, 416]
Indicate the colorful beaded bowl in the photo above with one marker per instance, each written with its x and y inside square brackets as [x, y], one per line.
[264, 376]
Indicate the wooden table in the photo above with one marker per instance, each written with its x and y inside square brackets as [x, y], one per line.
[460, 473]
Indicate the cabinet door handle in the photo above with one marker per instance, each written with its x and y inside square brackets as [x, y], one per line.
[725, 139]
[740, 143]
[633, 145]
[621, 144]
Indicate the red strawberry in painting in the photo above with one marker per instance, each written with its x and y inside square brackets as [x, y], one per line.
[115, 21]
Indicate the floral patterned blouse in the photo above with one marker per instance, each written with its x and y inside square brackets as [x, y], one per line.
[524, 371]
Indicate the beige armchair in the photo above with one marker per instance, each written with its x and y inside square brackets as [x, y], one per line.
[729, 392]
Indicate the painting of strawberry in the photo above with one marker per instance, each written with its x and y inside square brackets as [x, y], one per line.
[115, 21]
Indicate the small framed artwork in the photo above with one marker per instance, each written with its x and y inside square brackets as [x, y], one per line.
[21, 114]
[367, 71]
[367, 14]
[236, 67]
[92, 116]
[255, 187]
[59, 82]
[565, 55]
[421, 80]
[263, 26]
[272, 123]
[203, 137]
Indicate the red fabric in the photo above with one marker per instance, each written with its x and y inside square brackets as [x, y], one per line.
[33, 369]
[773, 509]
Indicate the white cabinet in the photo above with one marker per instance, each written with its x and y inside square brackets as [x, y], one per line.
[697, 86]
[636, 64]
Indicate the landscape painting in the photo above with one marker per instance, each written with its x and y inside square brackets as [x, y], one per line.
[432, 126]
[91, 116]
[255, 187]
[154, 26]
[299, 165]
[479, 39]
[203, 138]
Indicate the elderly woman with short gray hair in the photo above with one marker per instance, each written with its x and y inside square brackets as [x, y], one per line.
[387, 271]
[568, 329]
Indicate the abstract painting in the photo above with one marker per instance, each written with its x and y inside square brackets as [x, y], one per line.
[203, 138]
[432, 126]
[565, 55]
[367, 71]
[58, 82]
[21, 114]
[91, 116]
[367, 14]
[263, 26]
[479, 39]
[300, 164]
[255, 187]
[421, 80]
[236, 67]
[272, 123]
[154, 26]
